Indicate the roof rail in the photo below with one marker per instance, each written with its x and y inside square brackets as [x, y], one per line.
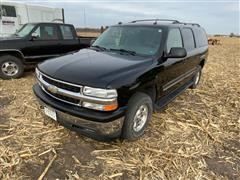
[156, 20]
[193, 24]
[171, 20]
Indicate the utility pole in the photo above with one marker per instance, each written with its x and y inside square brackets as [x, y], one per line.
[84, 16]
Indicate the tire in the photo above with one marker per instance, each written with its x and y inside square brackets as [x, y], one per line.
[131, 129]
[196, 78]
[11, 67]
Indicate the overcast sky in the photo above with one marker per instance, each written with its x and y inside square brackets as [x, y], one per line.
[216, 16]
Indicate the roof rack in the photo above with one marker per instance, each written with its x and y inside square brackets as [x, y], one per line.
[171, 20]
[193, 24]
[156, 20]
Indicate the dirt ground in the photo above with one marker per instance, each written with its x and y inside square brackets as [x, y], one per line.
[88, 34]
[196, 137]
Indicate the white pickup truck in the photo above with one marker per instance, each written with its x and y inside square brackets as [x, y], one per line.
[15, 14]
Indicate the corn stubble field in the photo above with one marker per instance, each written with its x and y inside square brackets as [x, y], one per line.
[196, 137]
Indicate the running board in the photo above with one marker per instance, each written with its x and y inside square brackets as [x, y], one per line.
[162, 102]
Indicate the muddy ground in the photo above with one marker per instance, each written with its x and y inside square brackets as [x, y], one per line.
[197, 136]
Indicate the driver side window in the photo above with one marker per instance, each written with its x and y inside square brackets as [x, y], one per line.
[174, 39]
[46, 32]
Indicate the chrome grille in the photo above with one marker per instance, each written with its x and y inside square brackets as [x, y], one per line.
[64, 98]
[67, 92]
[60, 90]
[61, 84]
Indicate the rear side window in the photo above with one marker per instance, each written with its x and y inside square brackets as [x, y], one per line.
[188, 39]
[66, 32]
[174, 39]
[8, 11]
[200, 37]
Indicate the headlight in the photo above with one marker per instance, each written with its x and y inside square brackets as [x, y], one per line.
[100, 93]
[38, 74]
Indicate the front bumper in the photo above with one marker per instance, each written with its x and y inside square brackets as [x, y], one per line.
[94, 124]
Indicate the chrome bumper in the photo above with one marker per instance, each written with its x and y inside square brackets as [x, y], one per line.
[97, 130]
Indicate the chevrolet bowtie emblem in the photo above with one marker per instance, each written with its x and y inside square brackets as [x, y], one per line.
[52, 89]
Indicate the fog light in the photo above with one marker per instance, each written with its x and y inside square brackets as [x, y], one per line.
[109, 107]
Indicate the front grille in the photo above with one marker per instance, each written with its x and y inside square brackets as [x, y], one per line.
[64, 98]
[61, 85]
[47, 83]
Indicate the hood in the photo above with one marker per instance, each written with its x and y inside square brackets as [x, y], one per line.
[13, 42]
[10, 38]
[91, 68]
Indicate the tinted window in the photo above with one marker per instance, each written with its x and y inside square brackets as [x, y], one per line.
[8, 11]
[200, 37]
[46, 32]
[188, 39]
[174, 39]
[66, 32]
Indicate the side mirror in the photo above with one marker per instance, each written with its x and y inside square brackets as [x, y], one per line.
[34, 35]
[92, 41]
[177, 52]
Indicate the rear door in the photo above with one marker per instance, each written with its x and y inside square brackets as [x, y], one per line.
[201, 44]
[46, 45]
[189, 65]
[69, 41]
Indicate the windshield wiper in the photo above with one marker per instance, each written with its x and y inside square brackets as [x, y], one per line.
[100, 47]
[125, 51]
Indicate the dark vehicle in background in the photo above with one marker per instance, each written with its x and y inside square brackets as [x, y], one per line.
[35, 42]
[111, 89]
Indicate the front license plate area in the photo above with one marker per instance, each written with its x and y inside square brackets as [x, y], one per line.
[50, 113]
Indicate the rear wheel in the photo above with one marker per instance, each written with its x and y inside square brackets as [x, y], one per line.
[11, 67]
[196, 78]
[137, 117]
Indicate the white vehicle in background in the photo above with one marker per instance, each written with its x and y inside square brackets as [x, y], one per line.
[13, 15]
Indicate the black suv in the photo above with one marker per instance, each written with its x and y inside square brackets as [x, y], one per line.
[112, 88]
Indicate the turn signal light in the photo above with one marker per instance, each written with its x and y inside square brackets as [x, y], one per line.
[101, 107]
[110, 107]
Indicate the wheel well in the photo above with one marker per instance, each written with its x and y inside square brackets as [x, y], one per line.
[202, 63]
[13, 53]
[151, 91]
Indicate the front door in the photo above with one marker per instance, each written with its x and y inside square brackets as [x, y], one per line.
[172, 68]
[45, 45]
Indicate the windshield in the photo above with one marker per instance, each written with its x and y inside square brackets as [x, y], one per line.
[140, 40]
[25, 30]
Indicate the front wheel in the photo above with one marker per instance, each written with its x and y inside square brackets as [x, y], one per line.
[137, 117]
[11, 67]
